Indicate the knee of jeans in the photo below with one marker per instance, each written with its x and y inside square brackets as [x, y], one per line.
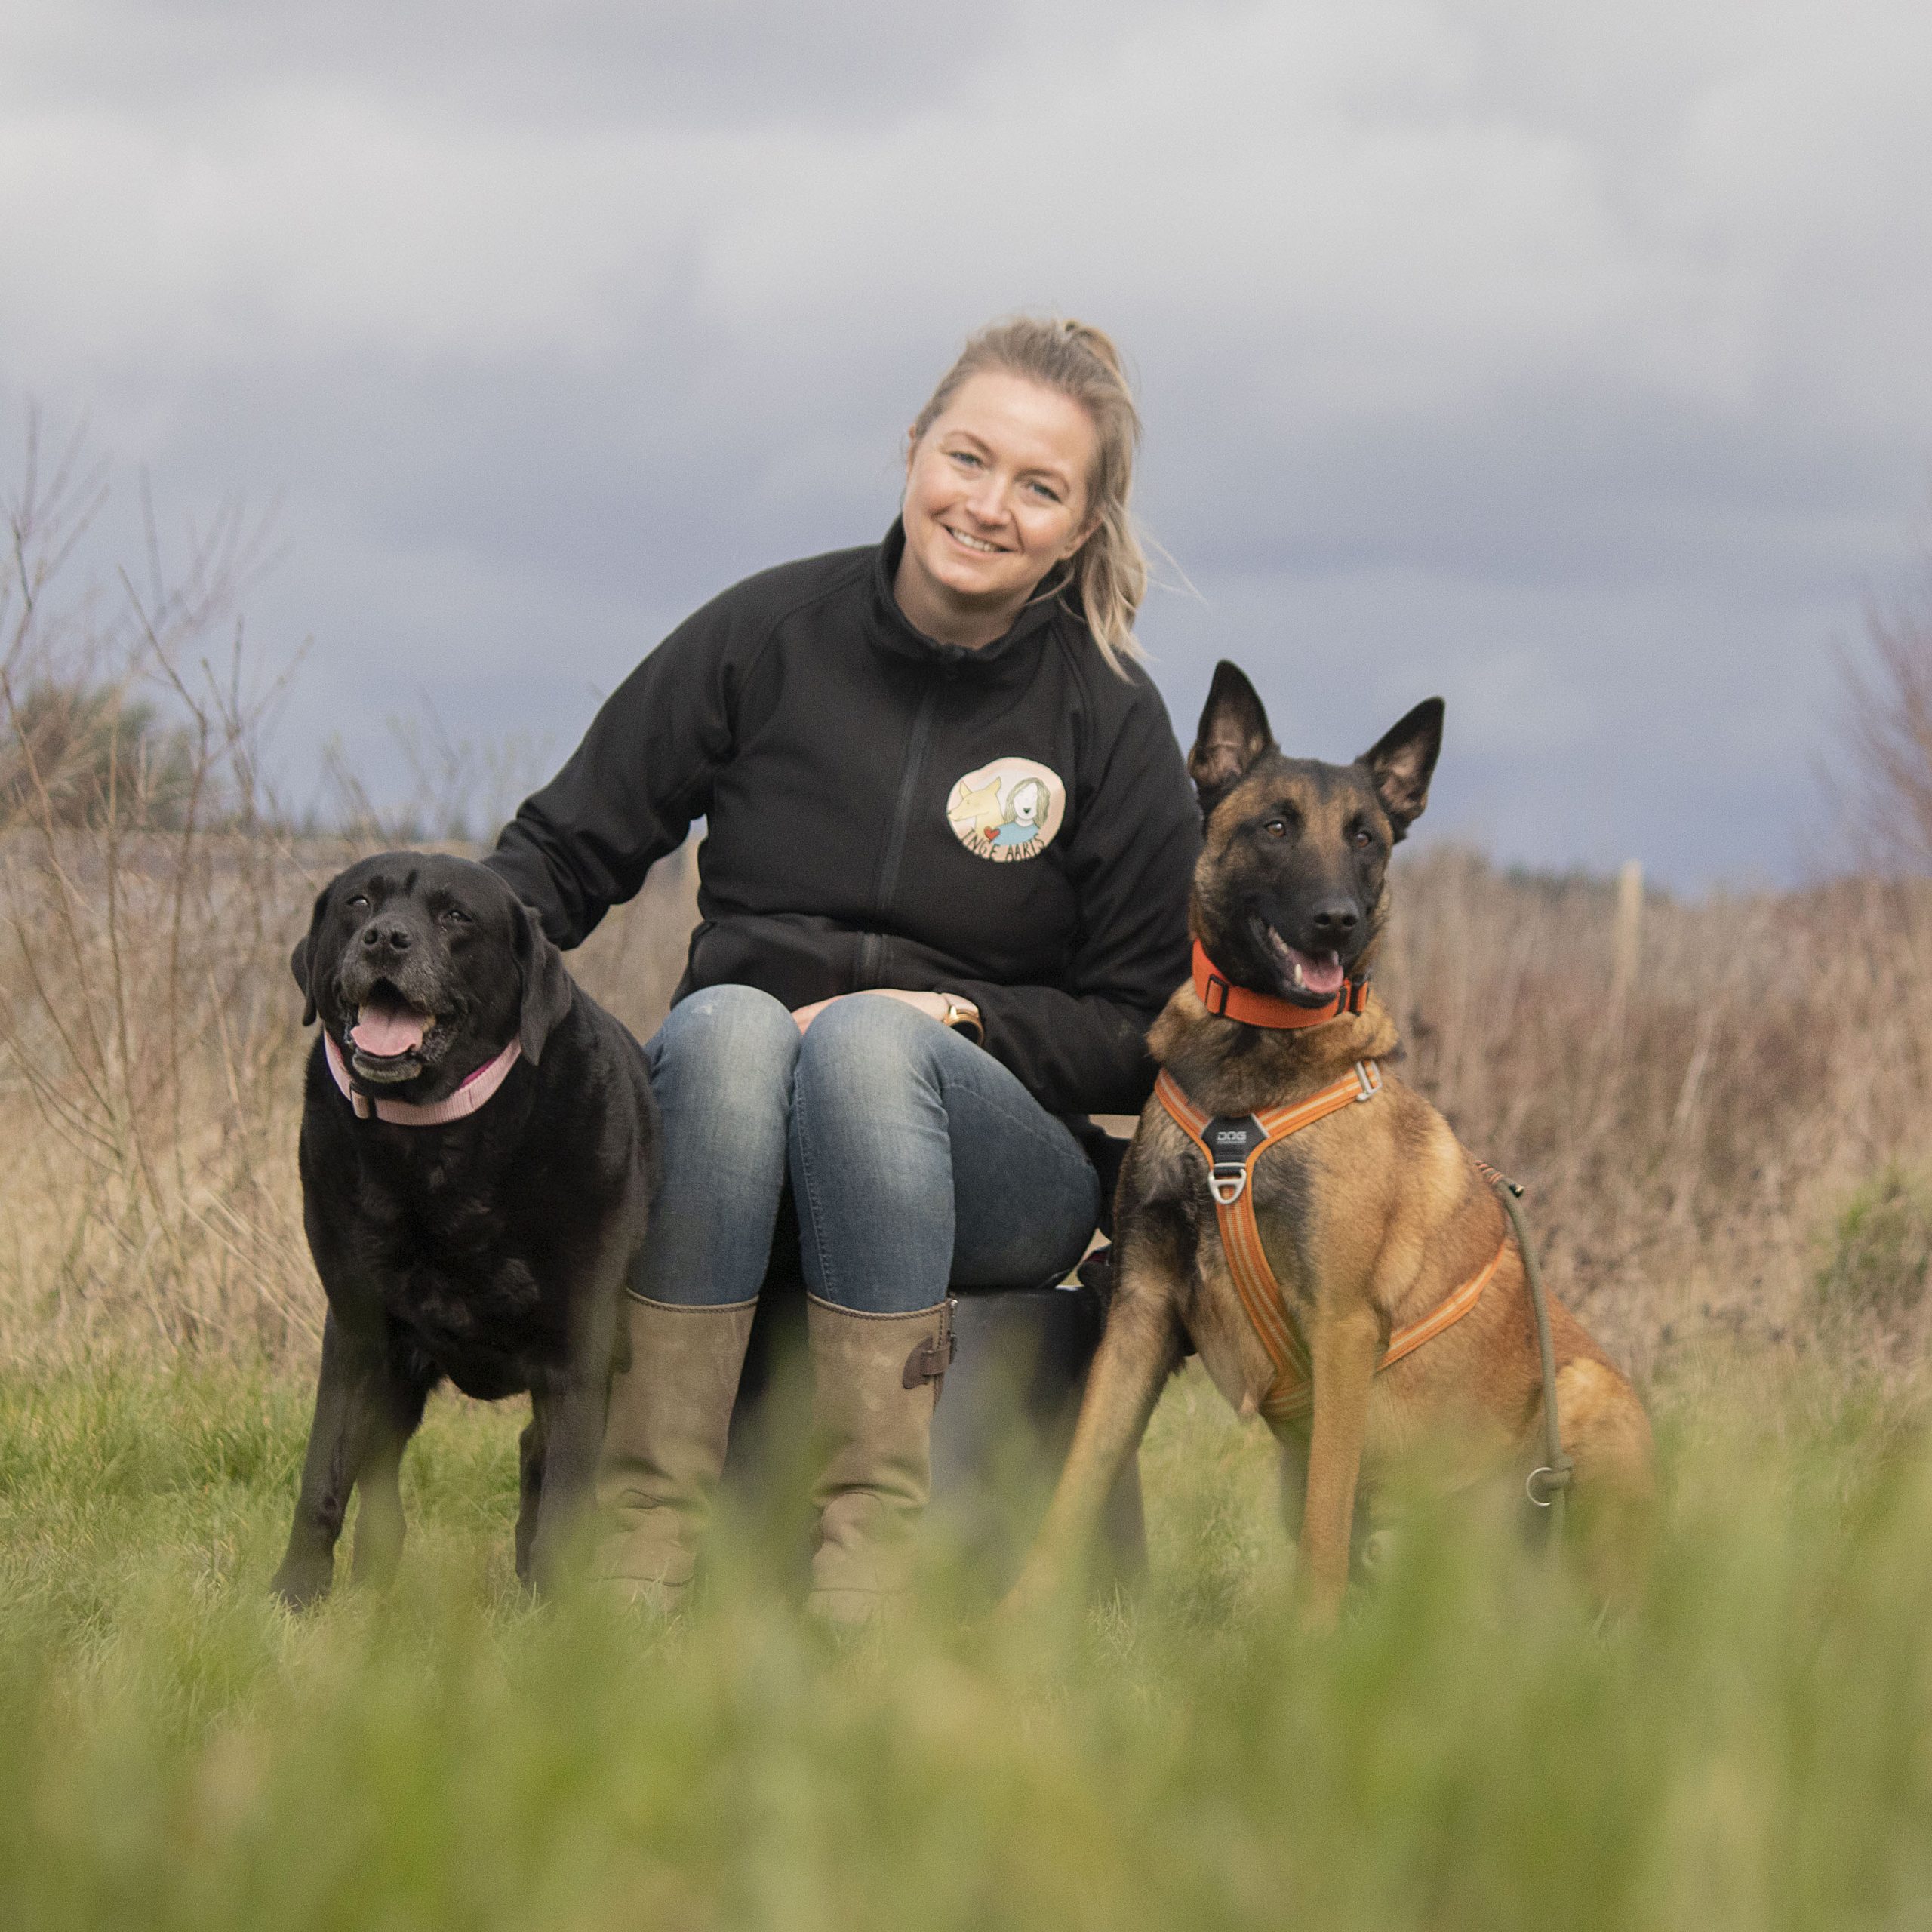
[866, 1047]
[732, 1034]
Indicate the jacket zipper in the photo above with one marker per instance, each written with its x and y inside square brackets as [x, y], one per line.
[871, 954]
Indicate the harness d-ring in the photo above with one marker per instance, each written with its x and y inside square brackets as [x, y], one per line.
[1227, 1183]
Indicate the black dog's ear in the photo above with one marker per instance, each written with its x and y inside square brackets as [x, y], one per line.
[1234, 733]
[302, 961]
[1400, 763]
[547, 988]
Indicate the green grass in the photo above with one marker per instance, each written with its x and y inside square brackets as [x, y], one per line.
[1752, 1748]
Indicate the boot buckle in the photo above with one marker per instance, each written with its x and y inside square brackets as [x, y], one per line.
[932, 1356]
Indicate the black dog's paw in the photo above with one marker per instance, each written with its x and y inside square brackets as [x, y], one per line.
[300, 1586]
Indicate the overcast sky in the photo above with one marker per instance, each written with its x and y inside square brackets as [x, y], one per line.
[1573, 362]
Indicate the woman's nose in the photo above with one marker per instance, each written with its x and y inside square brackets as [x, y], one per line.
[987, 499]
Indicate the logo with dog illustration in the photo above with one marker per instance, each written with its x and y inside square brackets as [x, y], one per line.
[1008, 811]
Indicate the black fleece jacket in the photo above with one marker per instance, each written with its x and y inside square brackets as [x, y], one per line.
[1013, 824]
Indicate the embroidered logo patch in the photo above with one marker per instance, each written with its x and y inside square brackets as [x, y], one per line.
[1007, 810]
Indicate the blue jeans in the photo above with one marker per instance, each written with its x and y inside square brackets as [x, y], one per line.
[917, 1161]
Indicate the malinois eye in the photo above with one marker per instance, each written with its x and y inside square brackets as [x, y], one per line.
[1363, 839]
[1276, 828]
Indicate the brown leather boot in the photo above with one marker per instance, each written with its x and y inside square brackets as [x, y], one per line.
[664, 1446]
[874, 1379]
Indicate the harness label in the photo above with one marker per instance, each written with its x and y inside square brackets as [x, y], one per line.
[1231, 1141]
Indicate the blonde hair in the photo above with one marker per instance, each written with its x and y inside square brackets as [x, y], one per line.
[1110, 570]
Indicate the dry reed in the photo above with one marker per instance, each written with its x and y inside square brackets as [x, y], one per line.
[1687, 1129]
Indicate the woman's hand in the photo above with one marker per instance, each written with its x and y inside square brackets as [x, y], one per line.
[934, 1005]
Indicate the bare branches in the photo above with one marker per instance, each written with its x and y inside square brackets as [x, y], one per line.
[1886, 791]
[146, 890]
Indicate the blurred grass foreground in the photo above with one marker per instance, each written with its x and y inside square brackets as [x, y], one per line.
[1752, 1748]
[1721, 1108]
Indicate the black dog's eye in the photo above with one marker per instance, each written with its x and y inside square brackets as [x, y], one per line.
[357, 900]
[456, 915]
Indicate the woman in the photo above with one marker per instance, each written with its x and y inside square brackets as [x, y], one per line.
[942, 894]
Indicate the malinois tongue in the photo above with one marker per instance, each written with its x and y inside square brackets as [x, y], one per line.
[385, 1027]
[1313, 972]
[1321, 972]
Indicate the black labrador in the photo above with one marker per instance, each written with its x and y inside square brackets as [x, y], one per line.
[478, 1160]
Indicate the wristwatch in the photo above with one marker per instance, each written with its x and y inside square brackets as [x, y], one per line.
[963, 1017]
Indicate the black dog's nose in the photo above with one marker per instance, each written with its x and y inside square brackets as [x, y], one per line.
[1336, 921]
[395, 936]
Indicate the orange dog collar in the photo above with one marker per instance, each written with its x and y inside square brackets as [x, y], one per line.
[1226, 1001]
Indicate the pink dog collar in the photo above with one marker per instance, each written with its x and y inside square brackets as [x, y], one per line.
[465, 1101]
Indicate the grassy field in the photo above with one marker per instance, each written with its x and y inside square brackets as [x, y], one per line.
[1720, 1105]
[1753, 1747]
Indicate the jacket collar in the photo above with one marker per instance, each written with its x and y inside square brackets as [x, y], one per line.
[894, 632]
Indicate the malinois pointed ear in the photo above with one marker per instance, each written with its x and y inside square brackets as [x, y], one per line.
[1402, 761]
[547, 989]
[302, 961]
[1234, 733]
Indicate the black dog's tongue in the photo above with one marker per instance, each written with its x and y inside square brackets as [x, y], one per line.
[386, 1027]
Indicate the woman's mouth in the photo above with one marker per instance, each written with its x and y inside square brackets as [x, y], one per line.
[978, 545]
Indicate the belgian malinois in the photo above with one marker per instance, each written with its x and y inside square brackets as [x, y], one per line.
[1373, 1220]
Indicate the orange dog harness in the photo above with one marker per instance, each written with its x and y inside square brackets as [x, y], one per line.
[1232, 1146]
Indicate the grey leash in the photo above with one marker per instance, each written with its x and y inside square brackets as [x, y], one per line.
[1546, 1485]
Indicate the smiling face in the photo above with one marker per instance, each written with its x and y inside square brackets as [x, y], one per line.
[996, 495]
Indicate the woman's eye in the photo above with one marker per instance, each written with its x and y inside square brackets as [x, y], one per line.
[966, 458]
[1045, 492]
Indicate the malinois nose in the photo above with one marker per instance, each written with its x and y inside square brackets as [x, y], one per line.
[1335, 922]
[396, 937]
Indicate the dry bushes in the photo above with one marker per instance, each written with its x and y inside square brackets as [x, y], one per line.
[1690, 1126]
[1695, 1137]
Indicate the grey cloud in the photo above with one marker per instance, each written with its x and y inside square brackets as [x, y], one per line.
[1571, 363]
[690, 62]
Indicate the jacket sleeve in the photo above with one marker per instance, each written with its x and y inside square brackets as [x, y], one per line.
[629, 792]
[1081, 1048]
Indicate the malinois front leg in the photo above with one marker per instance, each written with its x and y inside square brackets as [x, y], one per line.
[1343, 1350]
